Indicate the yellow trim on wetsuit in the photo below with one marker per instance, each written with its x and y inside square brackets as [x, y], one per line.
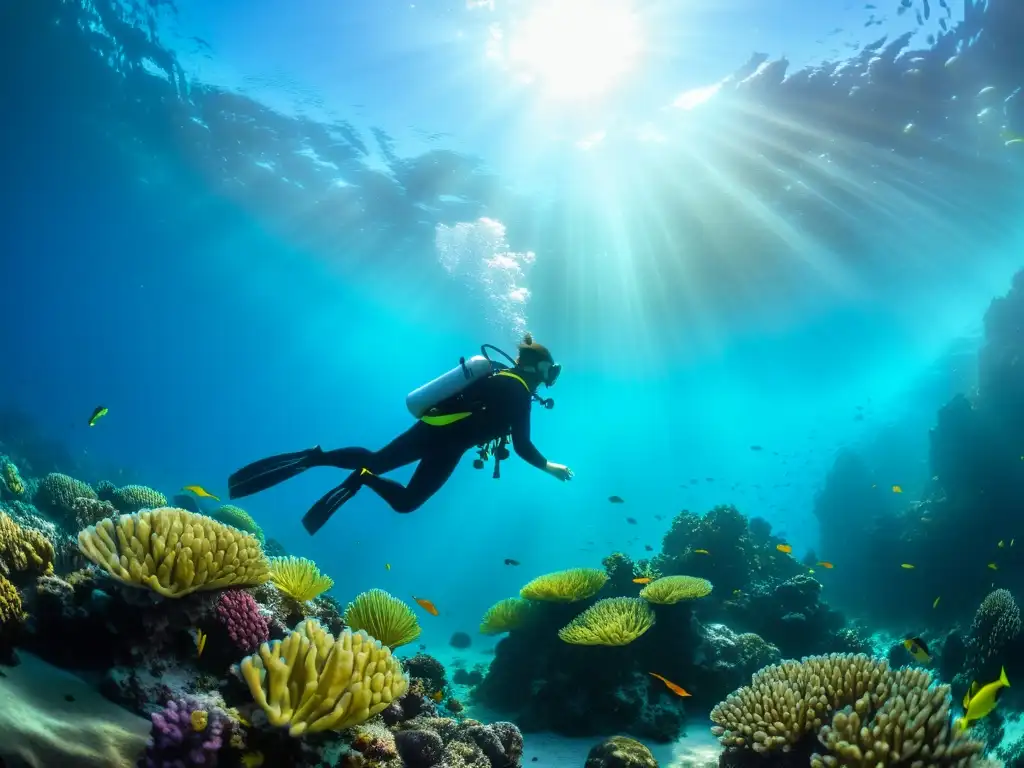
[450, 418]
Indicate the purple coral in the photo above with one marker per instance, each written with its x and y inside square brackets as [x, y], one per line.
[185, 734]
[240, 614]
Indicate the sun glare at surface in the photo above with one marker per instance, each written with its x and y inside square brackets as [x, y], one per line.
[573, 49]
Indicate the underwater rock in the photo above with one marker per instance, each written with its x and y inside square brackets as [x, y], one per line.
[429, 741]
[460, 640]
[419, 749]
[463, 676]
[428, 670]
[49, 717]
[620, 752]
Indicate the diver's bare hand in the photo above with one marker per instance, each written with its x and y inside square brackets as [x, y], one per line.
[558, 471]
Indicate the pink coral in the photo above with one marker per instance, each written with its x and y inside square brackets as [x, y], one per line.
[240, 614]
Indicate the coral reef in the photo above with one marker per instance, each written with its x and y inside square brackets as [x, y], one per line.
[424, 742]
[612, 621]
[56, 496]
[995, 627]
[299, 578]
[238, 518]
[23, 551]
[135, 498]
[505, 615]
[565, 586]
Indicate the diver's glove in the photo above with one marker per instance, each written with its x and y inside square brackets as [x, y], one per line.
[558, 471]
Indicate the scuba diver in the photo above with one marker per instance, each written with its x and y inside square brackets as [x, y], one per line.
[480, 403]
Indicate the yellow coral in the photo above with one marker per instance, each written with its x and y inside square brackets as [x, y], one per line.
[383, 616]
[174, 552]
[299, 578]
[10, 604]
[671, 589]
[12, 478]
[505, 615]
[311, 682]
[23, 549]
[612, 621]
[565, 586]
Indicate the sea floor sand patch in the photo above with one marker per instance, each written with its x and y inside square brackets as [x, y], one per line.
[49, 717]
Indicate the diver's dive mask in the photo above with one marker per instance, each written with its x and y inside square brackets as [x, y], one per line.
[549, 372]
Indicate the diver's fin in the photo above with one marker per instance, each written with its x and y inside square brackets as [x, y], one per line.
[331, 502]
[268, 472]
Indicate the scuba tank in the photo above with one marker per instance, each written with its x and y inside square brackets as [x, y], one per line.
[447, 385]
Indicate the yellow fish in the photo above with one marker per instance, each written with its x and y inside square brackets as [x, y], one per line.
[387, 566]
[897, 489]
[826, 564]
[784, 548]
[198, 490]
[701, 552]
[979, 702]
[908, 566]
[993, 566]
[199, 637]
[916, 647]
[97, 414]
[643, 580]
[936, 603]
[437, 696]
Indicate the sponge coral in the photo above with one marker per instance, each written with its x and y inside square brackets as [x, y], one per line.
[565, 586]
[669, 590]
[238, 518]
[299, 578]
[855, 707]
[383, 616]
[174, 552]
[612, 621]
[311, 682]
[132, 498]
[505, 615]
[23, 549]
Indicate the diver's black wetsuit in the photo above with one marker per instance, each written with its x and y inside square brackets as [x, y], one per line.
[498, 405]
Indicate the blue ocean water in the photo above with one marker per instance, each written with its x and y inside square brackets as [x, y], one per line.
[251, 228]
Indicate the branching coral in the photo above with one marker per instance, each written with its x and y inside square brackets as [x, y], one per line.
[669, 590]
[861, 712]
[612, 621]
[133, 498]
[299, 578]
[384, 617]
[23, 549]
[311, 682]
[174, 552]
[238, 518]
[567, 586]
[505, 615]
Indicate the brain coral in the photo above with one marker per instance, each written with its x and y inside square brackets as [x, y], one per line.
[996, 624]
[174, 552]
[566, 586]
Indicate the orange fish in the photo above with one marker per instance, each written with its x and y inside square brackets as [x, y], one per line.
[426, 605]
[784, 548]
[825, 564]
[644, 580]
[897, 489]
[677, 690]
